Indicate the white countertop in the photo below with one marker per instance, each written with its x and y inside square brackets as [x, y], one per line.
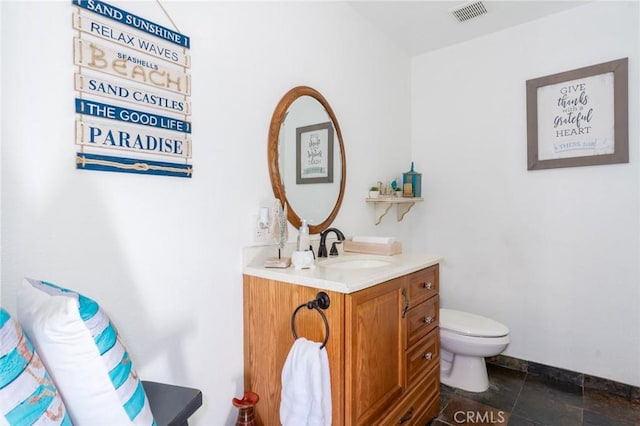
[343, 280]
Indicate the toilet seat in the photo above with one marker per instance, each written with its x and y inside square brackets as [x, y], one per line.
[469, 324]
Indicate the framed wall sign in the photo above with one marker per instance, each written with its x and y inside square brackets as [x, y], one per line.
[314, 153]
[578, 117]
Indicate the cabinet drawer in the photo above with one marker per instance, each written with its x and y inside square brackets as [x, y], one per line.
[424, 356]
[422, 319]
[417, 407]
[423, 284]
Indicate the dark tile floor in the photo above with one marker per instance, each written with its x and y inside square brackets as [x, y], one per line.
[516, 398]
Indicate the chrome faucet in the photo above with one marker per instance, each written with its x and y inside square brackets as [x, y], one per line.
[322, 249]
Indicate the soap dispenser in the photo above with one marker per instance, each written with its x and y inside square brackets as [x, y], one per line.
[303, 258]
[303, 236]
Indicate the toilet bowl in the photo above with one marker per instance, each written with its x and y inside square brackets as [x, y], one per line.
[465, 340]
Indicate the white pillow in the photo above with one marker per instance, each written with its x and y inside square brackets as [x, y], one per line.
[27, 393]
[85, 356]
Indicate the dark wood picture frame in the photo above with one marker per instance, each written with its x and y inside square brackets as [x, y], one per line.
[325, 153]
[575, 107]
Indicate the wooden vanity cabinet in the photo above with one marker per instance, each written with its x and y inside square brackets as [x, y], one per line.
[383, 347]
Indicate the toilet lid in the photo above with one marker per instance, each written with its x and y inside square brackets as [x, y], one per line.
[470, 324]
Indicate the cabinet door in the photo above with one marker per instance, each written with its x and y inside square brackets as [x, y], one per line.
[375, 354]
[268, 306]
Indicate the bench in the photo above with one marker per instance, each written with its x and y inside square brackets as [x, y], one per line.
[172, 405]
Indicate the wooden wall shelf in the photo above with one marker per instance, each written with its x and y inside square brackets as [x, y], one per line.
[383, 204]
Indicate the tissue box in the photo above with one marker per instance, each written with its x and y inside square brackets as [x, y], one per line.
[384, 249]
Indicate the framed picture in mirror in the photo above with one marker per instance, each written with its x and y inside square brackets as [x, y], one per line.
[578, 117]
[314, 153]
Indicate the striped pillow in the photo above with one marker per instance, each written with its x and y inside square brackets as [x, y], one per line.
[27, 394]
[85, 355]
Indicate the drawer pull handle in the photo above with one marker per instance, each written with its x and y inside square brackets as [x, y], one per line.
[428, 319]
[405, 308]
[427, 356]
[428, 285]
[407, 416]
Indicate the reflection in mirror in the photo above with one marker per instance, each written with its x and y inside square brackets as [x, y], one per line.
[313, 198]
[306, 158]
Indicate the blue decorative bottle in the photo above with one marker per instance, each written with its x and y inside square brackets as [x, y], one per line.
[415, 179]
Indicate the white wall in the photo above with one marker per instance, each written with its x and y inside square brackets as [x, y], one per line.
[552, 253]
[1, 137]
[163, 255]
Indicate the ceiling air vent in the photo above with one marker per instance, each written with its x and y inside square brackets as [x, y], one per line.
[469, 11]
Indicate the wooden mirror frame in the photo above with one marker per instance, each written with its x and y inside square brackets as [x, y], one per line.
[272, 153]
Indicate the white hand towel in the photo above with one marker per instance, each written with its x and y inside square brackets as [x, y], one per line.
[306, 386]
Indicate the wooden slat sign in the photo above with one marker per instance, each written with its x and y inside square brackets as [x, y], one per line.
[106, 136]
[142, 97]
[98, 109]
[133, 21]
[106, 163]
[134, 68]
[133, 89]
[127, 39]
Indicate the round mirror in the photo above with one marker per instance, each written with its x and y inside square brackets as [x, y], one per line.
[306, 158]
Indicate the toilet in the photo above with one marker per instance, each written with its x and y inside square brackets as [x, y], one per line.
[465, 340]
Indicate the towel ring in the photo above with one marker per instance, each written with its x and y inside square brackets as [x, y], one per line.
[321, 301]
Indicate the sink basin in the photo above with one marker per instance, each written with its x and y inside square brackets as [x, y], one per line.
[356, 263]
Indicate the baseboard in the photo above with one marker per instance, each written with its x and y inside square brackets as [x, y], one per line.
[583, 380]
